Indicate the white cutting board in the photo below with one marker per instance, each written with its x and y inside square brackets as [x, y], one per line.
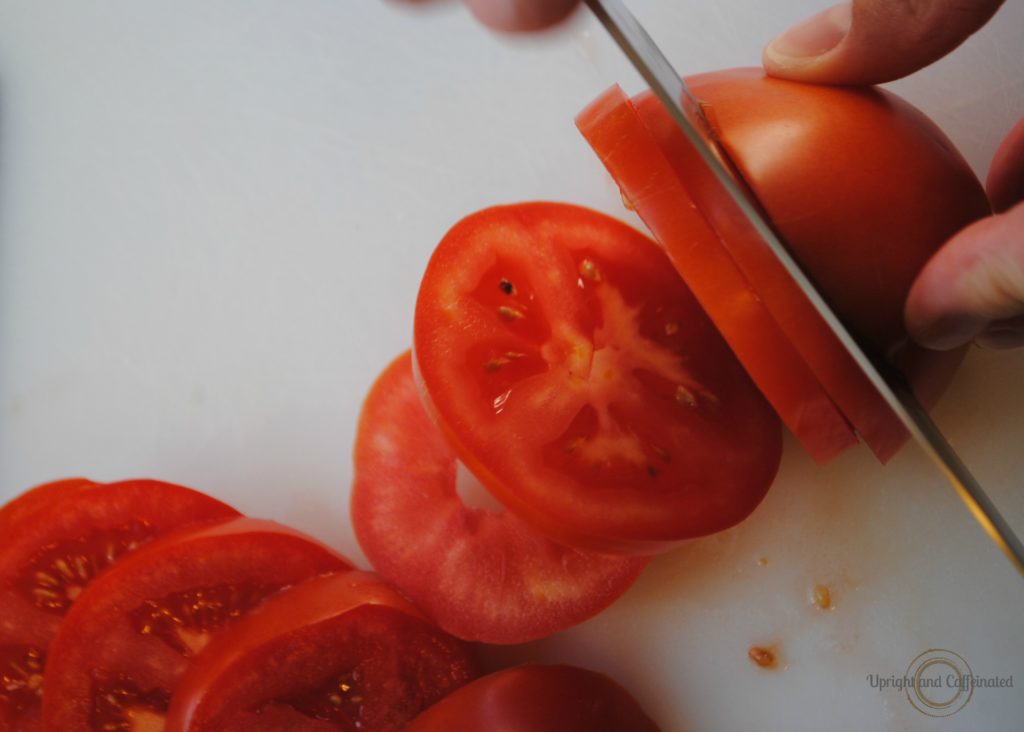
[213, 219]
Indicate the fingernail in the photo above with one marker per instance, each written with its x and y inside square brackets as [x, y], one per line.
[817, 35]
[950, 332]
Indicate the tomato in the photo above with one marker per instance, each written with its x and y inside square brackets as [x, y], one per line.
[660, 196]
[577, 378]
[537, 699]
[130, 635]
[56, 539]
[480, 575]
[341, 651]
[863, 188]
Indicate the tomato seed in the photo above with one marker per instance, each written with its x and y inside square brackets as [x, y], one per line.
[509, 313]
[590, 271]
[21, 678]
[763, 657]
[822, 597]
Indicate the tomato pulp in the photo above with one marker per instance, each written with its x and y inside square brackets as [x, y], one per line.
[342, 651]
[576, 376]
[480, 575]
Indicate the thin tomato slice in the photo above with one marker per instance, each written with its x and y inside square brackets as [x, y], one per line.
[341, 652]
[655, 190]
[578, 379]
[537, 699]
[132, 632]
[480, 575]
[56, 539]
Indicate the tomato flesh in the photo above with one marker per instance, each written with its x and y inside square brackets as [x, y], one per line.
[575, 375]
[132, 632]
[537, 699]
[478, 574]
[347, 652]
[57, 539]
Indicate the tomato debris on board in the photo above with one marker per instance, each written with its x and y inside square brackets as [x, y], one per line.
[478, 574]
[537, 699]
[133, 631]
[863, 223]
[346, 650]
[574, 374]
[56, 539]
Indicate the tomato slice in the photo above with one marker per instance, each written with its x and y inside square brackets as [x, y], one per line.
[130, 635]
[577, 378]
[480, 575]
[537, 699]
[655, 190]
[57, 538]
[341, 651]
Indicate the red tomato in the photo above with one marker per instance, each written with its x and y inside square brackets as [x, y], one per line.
[863, 188]
[56, 538]
[575, 375]
[131, 634]
[343, 651]
[537, 699]
[478, 574]
[654, 188]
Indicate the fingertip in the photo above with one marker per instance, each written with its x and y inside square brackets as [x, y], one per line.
[803, 44]
[520, 15]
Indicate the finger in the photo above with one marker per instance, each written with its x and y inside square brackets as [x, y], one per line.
[973, 288]
[873, 41]
[521, 15]
[1005, 183]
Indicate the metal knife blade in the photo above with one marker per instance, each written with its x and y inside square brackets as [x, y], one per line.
[680, 103]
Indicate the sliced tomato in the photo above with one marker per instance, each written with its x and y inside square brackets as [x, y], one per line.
[342, 652]
[537, 699]
[861, 186]
[577, 378]
[653, 187]
[131, 633]
[56, 539]
[478, 574]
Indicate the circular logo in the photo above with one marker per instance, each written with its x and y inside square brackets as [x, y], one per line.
[942, 685]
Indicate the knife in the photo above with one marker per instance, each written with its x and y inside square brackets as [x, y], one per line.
[685, 110]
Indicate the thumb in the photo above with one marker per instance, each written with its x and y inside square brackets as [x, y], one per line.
[520, 15]
[973, 288]
[874, 41]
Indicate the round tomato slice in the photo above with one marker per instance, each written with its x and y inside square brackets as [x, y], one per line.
[342, 652]
[131, 634]
[56, 539]
[480, 575]
[537, 699]
[577, 378]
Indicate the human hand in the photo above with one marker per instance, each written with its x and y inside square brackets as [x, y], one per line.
[521, 15]
[973, 288]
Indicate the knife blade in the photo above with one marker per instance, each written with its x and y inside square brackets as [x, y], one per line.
[685, 110]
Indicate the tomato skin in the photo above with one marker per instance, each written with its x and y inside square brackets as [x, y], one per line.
[453, 560]
[65, 532]
[110, 637]
[304, 634]
[596, 401]
[537, 699]
[861, 185]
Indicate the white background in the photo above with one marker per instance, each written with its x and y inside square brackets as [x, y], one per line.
[213, 219]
